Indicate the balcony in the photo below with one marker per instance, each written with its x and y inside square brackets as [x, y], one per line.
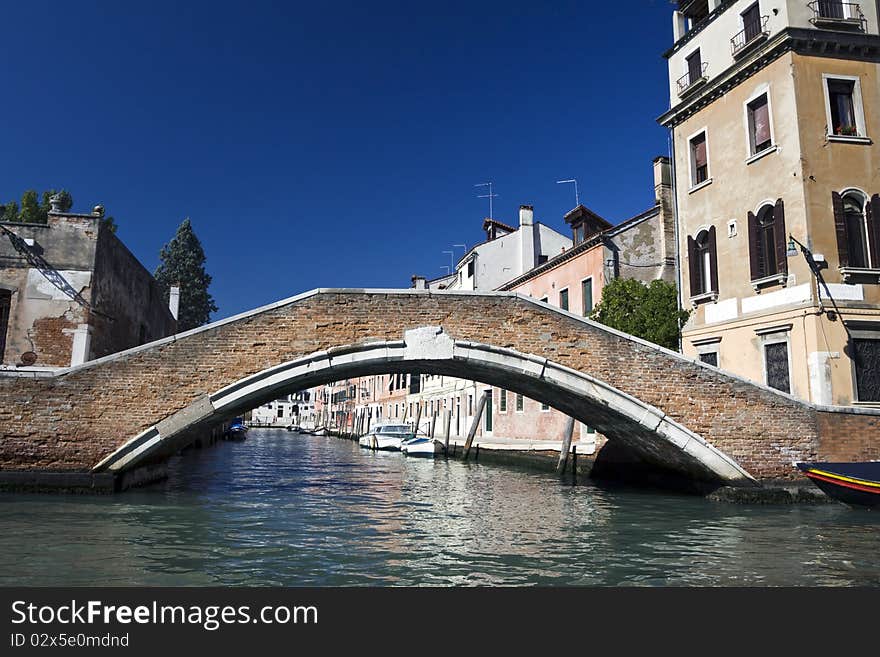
[838, 15]
[755, 32]
[692, 80]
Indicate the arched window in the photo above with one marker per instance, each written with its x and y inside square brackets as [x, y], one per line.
[858, 229]
[767, 242]
[703, 263]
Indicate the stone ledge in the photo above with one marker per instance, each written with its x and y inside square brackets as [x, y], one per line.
[56, 482]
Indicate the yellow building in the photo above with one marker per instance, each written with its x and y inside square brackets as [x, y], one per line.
[775, 109]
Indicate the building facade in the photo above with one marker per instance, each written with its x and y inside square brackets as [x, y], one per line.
[775, 109]
[70, 291]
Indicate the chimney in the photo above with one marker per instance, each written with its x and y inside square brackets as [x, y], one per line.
[174, 300]
[527, 238]
[419, 283]
[662, 178]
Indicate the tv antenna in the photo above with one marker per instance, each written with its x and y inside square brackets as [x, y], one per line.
[489, 196]
[577, 200]
[451, 264]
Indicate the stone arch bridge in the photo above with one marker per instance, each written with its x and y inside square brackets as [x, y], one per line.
[135, 408]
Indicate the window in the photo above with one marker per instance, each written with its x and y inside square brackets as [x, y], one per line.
[767, 242]
[844, 114]
[5, 305]
[545, 299]
[470, 404]
[542, 259]
[699, 160]
[776, 365]
[866, 362]
[587, 295]
[488, 414]
[702, 262]
[502, 401]
[545, 407]
[563, 299]
[857, 225]
[710, 358]
[280, 411]
[830, 9]
[751, 19]
[519, 403]
[470, 269]
[758, 112]
[694, 67]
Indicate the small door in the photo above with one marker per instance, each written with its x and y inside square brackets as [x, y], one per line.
[488, 412]
[5, 304]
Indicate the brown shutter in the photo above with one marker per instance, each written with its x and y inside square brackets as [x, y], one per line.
[692, 267]
[700, 152]
[840, 228]
[872, 218]
[713, 260]
[754, 259]
[781, 238]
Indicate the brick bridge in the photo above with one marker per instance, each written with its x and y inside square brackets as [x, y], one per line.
[135, 408]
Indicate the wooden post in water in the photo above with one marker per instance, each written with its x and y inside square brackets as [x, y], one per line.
[566, 446]
[418, 418]
[574, 465]
[481, 405]
[433, 424]
[448, 419]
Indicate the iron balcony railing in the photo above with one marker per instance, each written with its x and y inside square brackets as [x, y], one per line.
[828, 13]
[689, 79]
[753, 32]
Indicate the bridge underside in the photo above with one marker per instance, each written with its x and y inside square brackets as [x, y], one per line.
[645, 431]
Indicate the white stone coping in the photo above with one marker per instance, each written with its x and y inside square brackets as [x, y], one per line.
[411, 291]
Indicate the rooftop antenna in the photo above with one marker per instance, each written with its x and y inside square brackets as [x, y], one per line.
[577, 200]
[489, 196]
[446, 268]
[451, 264]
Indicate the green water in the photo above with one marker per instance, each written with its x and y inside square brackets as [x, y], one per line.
[286, 509]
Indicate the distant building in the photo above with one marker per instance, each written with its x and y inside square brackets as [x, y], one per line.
[102, 300]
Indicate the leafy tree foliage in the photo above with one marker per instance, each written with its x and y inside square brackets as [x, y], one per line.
[648, 312]
[182, 262]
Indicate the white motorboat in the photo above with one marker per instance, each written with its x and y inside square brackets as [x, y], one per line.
[421, 446]
[386, 437]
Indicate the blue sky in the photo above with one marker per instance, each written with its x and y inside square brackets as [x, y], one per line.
[331, 145]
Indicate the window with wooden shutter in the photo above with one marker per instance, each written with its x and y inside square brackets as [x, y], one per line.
[856, 230]
[840, 230]
[693, 267]
[759, 124]
[699, 159]
[872, 219]
[781, 247]
[754, 259]
[713, 261]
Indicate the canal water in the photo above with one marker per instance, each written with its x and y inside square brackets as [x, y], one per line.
[291, 510]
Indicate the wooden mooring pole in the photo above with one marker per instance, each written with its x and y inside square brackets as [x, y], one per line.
[566, 446]
[481, 405]
[448, 420]
[418, 418]
[574, 465]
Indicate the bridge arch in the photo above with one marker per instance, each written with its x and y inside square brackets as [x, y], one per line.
[113, 413]
[645, 430]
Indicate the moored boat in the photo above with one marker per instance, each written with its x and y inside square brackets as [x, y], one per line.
[386, 437]
[237, 430]
[856, 483]
[421, 446]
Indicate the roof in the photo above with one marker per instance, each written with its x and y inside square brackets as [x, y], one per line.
[586, 245]
[487, 222]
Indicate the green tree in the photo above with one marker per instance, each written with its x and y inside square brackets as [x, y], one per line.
[10, 212]
[182, 262]
[648, 312]
[30, 208]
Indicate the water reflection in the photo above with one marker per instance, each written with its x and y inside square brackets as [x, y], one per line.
[284, 509]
